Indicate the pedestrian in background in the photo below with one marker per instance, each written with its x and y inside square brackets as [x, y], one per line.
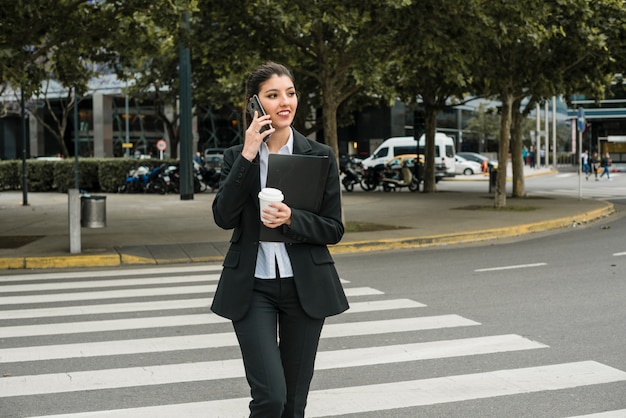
[277, 295]
[531, 156]
[605, 163]
[593, 162]
[584, 160]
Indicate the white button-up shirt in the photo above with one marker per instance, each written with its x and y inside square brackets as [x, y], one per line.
[272, 254]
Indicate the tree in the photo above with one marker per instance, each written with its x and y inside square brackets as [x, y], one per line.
[432, 63]
[334, 48]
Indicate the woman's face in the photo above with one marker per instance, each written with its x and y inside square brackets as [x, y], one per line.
[279, 99]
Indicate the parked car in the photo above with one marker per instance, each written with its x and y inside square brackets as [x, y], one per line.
[467, 167]
[213, 157]
[478, 158]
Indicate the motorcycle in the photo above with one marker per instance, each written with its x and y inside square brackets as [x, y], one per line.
[136, 181]
[372, 178]
[352, 173]
[399, 173]
[209, 177]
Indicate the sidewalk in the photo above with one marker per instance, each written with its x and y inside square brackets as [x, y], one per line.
[162, 229]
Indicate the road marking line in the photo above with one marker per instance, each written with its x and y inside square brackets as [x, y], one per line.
[157, 305]
[233, 368]
[381, 397]
[110, 273]
[519, 266]
[92, 284]
[227, 339]
[165, 305]
[619, 254]
[608, 414]
[133, 293]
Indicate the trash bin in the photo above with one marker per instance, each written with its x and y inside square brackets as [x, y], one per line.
[93, 211]
[493, 175]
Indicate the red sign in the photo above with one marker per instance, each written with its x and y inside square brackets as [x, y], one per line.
[161, 145]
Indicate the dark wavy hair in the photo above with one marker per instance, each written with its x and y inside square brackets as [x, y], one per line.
[263, 73]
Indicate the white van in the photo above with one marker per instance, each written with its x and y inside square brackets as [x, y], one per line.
[391, 147]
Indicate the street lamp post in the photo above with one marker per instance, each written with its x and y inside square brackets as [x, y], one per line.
[24, 148]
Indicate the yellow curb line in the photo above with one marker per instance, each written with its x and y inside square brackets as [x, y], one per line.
[108, 260]
[115, 260]
[474, 236]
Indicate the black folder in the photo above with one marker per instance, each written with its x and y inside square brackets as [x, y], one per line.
[302, 179]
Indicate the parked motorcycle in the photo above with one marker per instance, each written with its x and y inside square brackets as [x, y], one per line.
[399, 173]
[372, 178]
[208, 176]
[136, 180]
[353, 172]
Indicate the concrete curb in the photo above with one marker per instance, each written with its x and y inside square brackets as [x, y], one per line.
[474, 236]
[143, 256]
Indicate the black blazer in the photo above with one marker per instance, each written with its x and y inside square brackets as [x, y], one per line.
[236, 205]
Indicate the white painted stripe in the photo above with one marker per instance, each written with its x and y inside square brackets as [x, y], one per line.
[92, 284]
[608, 414]
[157, 305]
[333, 402]
[383, 305]
[226, 369]
[110, 273]
[133, 293]
[366, 398]
[164, 305]
[519, 266]
[106, 294]
[192, 342]
[110, 325]
[619, 254]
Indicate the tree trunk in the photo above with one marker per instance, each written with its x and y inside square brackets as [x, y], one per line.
[503, 150]
[329, 122]
[516, 150]
[430, 117]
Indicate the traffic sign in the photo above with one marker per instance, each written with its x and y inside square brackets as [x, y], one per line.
[161, 145]
[580, 119]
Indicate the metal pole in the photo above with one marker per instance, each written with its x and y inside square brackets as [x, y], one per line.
[24, 170]
[547, 129]
[538, 135]
[185, 138]
[554, 156]
[580, 124]
[76, 139]
[127, 152]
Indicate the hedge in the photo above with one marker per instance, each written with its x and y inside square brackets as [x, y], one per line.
[94, 174]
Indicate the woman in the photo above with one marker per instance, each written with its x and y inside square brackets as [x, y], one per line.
[272, 290]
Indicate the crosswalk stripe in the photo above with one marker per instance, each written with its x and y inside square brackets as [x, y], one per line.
[190, 342]
[162, 305]
[110, 273]
[157, 305]
[89, 284]
[225, 369]
[132, 293]
[608, 414]
[387, 396]
[106, 294]
[110, 325]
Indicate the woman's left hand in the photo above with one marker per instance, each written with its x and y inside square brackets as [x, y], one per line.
[279, 214]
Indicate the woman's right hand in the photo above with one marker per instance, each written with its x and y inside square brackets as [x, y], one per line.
[254, 137]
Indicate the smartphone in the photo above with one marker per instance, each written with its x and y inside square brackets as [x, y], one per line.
[255, 104]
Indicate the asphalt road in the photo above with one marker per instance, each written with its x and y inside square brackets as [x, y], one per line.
[524, 328]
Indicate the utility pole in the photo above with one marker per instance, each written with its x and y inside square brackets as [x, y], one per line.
[185, 134]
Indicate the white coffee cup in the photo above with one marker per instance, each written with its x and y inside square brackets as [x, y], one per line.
[269, 195]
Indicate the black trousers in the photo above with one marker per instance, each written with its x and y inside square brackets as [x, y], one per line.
[278, 342]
